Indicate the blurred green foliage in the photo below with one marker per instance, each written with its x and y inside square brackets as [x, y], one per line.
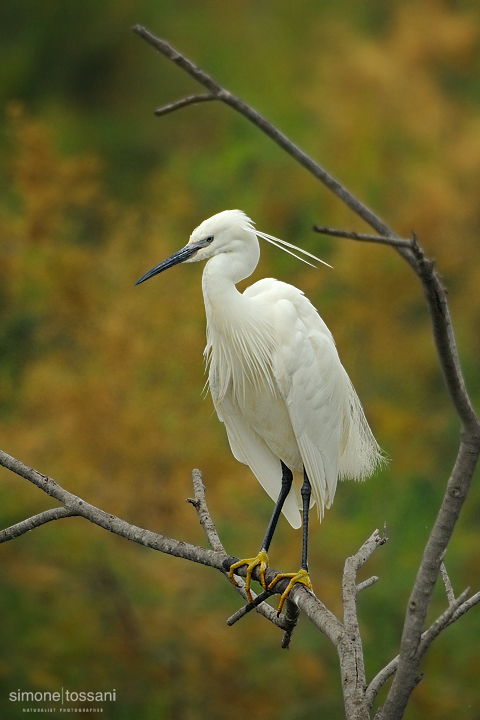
[100, 382]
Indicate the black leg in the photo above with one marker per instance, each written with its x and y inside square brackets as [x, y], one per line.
[306, 492]
[287, 479]
[261, 561]
[302, 575]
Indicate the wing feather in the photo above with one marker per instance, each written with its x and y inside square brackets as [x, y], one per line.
[249, 448]
[315, 388]
[284, 394]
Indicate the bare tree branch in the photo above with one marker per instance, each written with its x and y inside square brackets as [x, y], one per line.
[383, 239]
[448, 584]
[346, 638]
[441, 623]
[76, 506]
[442, 327]
[413, 253]
[191, 100]
[410, 656]
[457, 487]
[366, 584]
[30, 523]
[379, 680]
[203, 514]
[257, 600]
[456, 609]
[222, 94]
[351, 655]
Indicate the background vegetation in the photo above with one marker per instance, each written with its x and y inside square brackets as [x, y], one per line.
[100, 382]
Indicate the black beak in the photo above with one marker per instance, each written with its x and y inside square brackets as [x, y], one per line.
[187, 252]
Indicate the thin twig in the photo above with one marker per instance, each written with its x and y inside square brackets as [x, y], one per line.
[30, 523]
[183, 62]
[266, 127]
[257, 600]
[203, 513]
[448, 584]
[441, 623]
[467, 605]
[384, 239]
[366, 584]
[379, 680]
[191, 100]
[262, 608]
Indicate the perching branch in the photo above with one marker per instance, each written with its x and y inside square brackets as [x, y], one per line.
[75, 506]
[300, 596]
[345, 637]
[215, 558]
[313, 608]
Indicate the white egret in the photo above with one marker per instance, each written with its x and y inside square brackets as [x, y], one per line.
[276, 382]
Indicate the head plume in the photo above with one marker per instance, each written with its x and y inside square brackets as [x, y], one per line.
[239, 218]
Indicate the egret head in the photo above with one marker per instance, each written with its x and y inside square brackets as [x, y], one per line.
[228, 232]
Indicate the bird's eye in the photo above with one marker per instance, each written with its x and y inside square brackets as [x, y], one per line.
[209, 239]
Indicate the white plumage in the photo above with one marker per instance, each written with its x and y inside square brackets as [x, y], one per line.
[277, 383]
[274, 373]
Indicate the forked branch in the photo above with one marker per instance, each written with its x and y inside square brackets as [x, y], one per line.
[264, 125]
[457, 608]
[215, 558]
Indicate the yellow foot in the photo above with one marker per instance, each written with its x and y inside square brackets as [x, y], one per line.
[299, 577]
[251, 563]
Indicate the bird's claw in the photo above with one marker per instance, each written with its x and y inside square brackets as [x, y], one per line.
[301, 577]
[251, 563]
